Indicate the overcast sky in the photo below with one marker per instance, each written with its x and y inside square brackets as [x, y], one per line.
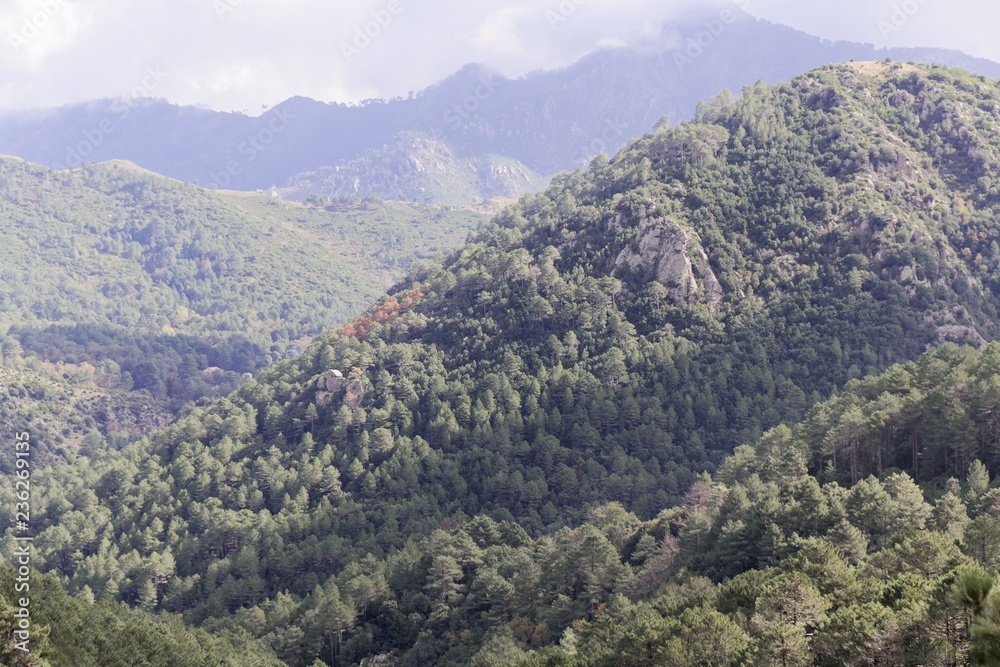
[242, 54]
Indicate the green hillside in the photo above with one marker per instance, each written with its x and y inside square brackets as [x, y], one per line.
[535, 404]
[765, 564]
[117, 245]
[156, 281]
[780, 558]
[72, 409]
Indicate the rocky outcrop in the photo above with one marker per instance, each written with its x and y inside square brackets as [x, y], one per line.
[955, 325]
[961, 335]
[667, 249]
[354, 395]
[331, 381]
[328, 384]
[711, 287]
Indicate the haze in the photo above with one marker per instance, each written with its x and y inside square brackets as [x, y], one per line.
[245, 54]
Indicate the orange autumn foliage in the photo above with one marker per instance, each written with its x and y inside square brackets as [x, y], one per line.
[388, 311]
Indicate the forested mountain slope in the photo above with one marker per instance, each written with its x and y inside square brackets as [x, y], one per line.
[72, 408]
[77, 632]
[604, 341]
[781, 559]
[778, 560]
[151, 281]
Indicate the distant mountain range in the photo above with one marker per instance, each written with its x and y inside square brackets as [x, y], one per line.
[471, 123]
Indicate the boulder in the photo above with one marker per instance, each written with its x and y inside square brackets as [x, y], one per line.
[354, 395]
[331, 381]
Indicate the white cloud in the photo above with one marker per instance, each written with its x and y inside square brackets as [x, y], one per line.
[37, 30]
[500, 32]
[965, 25]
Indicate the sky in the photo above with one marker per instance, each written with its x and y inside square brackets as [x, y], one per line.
[248, 54]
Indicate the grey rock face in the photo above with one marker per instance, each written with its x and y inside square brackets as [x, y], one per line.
[667, 248]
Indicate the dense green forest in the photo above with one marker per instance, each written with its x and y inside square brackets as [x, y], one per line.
[152, 281]
[80, 632]
[481, 470]
[777, 559]
[72, 409]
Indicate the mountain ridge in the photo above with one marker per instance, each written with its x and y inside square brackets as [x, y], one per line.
[547, 121]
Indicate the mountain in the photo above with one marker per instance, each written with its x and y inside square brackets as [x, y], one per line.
[139, 282]
[581, 362]
[542, 123]
[417, 167]
[771, 562]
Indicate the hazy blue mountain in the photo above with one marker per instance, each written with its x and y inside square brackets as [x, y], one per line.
[547, 121]
[418, 167]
